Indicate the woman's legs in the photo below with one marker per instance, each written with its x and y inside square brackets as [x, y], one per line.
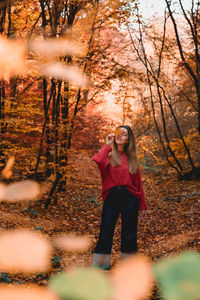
[125, 255]
[108, 221]
[129, 213]
[109, 218]
[101, 260]
[126, 203]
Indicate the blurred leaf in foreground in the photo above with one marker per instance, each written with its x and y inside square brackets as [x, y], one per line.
[133, 278]
[7, 171]
[24, 251]
[54, 47]
[82, 284]
[179, 276]
[26, 293]
[64, 72]
[72, 242]
[18, 191]
[12, 58]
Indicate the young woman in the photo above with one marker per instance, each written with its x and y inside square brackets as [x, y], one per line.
[122, 193]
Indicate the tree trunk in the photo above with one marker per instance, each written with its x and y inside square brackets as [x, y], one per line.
[189, 69]
[3, 125]
[46, 120]
[49, 141]
[2, 18]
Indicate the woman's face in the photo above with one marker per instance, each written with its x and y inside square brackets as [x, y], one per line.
[122, 137]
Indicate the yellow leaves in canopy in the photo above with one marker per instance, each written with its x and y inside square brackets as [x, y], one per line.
[192, 141]
[149, 148]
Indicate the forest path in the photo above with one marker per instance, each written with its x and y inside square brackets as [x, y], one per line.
[171, 225]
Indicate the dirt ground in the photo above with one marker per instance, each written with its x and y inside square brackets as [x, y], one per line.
[171, 226]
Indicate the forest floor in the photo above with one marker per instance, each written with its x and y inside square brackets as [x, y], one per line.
[172, 223]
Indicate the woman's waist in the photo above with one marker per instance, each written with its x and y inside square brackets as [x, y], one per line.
[120, 188]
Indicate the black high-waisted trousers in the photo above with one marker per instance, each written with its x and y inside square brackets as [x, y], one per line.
[119, 201]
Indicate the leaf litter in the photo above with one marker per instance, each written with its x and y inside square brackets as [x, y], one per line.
[169, 228]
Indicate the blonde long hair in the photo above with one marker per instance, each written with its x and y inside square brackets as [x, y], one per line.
[130, 151]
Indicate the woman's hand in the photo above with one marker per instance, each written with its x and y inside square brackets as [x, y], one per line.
[110, 139]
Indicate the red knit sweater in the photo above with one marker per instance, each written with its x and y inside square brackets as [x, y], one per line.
[116, 176]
